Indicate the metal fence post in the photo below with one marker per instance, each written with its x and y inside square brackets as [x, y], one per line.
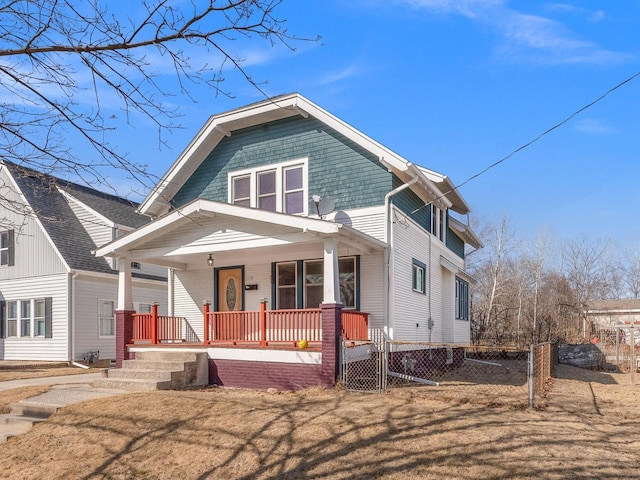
[531, 374]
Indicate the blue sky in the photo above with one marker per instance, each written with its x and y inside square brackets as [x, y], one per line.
[457, 85]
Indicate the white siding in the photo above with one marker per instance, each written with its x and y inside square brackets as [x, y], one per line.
[191, 290]
[34, 254]
[88, 290]
[261, 276]
[372, 288]
[411, 310]
[367, 220]
[40, 348]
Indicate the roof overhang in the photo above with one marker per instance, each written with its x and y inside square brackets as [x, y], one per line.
[223, 125]
[448, 189]
[206, 227]
[465, 232]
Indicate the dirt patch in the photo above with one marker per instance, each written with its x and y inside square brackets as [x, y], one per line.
[240, 434]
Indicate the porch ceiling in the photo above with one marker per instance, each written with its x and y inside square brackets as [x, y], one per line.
[234, 235]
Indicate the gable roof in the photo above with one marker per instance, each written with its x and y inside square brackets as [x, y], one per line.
[276, 108]
[44, 195]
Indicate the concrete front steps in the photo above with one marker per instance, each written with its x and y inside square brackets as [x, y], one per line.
[25, 413]
[12, 424]
[159, 370]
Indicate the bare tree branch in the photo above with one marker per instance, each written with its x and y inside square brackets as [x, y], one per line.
[53, 53]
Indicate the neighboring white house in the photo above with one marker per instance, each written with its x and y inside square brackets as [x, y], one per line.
[57, 299]
[292, 205]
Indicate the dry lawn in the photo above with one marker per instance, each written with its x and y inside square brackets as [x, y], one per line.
[35, 372]
[590, 428]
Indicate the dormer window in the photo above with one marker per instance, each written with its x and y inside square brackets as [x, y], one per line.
[278, 188]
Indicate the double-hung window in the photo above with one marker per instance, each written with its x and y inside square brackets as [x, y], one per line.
[278, 188]
[462, 299]
[12, 318]
[106, 318]
[27, 318]
[7, 248]
[419, 277]
[438, 222]
[286, 274]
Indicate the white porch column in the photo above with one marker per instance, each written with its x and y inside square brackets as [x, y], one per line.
[331, 274]
[171, 278]
[125, 296]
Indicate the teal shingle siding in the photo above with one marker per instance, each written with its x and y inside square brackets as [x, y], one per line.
[338, 168]
[407, 201]
[455, 243]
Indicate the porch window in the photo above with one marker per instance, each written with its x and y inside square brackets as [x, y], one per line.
[143, 308]
[419, 276]
[286, 274]
[462, 299]
[309, 287]
[106, 318]
[313, 283]
[279, 188]
[7, 248]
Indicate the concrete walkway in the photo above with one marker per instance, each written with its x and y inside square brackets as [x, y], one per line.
[65, 390]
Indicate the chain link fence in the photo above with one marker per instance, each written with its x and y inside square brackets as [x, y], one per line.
[620, 348]
[461, 373]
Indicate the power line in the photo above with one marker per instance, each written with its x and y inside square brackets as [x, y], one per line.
[531, 142]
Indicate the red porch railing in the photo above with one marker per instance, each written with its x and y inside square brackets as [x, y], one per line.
[355, 325]
[262, 327]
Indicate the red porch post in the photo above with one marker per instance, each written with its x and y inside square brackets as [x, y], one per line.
[331, 333]
[263, 323]
[124, 333]
[205, 334]
[154, 324]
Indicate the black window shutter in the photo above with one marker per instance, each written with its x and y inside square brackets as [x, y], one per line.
[11, 249]
[3, 329]
[48, 330]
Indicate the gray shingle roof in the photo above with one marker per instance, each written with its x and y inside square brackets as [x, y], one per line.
[42, 192]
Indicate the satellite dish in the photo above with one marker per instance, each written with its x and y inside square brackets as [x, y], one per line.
[324, 205]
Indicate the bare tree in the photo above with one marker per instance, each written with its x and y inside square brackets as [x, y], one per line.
[65, 65]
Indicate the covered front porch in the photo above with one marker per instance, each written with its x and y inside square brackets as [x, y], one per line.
[246, 279]
[261, 328]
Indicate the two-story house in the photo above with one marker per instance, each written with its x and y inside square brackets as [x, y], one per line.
[57, 299]
[279, 220]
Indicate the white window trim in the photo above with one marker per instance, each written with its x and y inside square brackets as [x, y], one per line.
[279, 168]
[100, 300]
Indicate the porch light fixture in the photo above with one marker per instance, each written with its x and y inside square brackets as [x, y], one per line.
[210, 261]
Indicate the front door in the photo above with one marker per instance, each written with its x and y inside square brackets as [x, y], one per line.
[230, 289]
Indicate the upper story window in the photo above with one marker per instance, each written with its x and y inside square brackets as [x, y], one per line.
[7, 248]
[438, 222]
[279, 188]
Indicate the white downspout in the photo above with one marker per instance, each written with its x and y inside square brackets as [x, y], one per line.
[71, 295]
[388, 252]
